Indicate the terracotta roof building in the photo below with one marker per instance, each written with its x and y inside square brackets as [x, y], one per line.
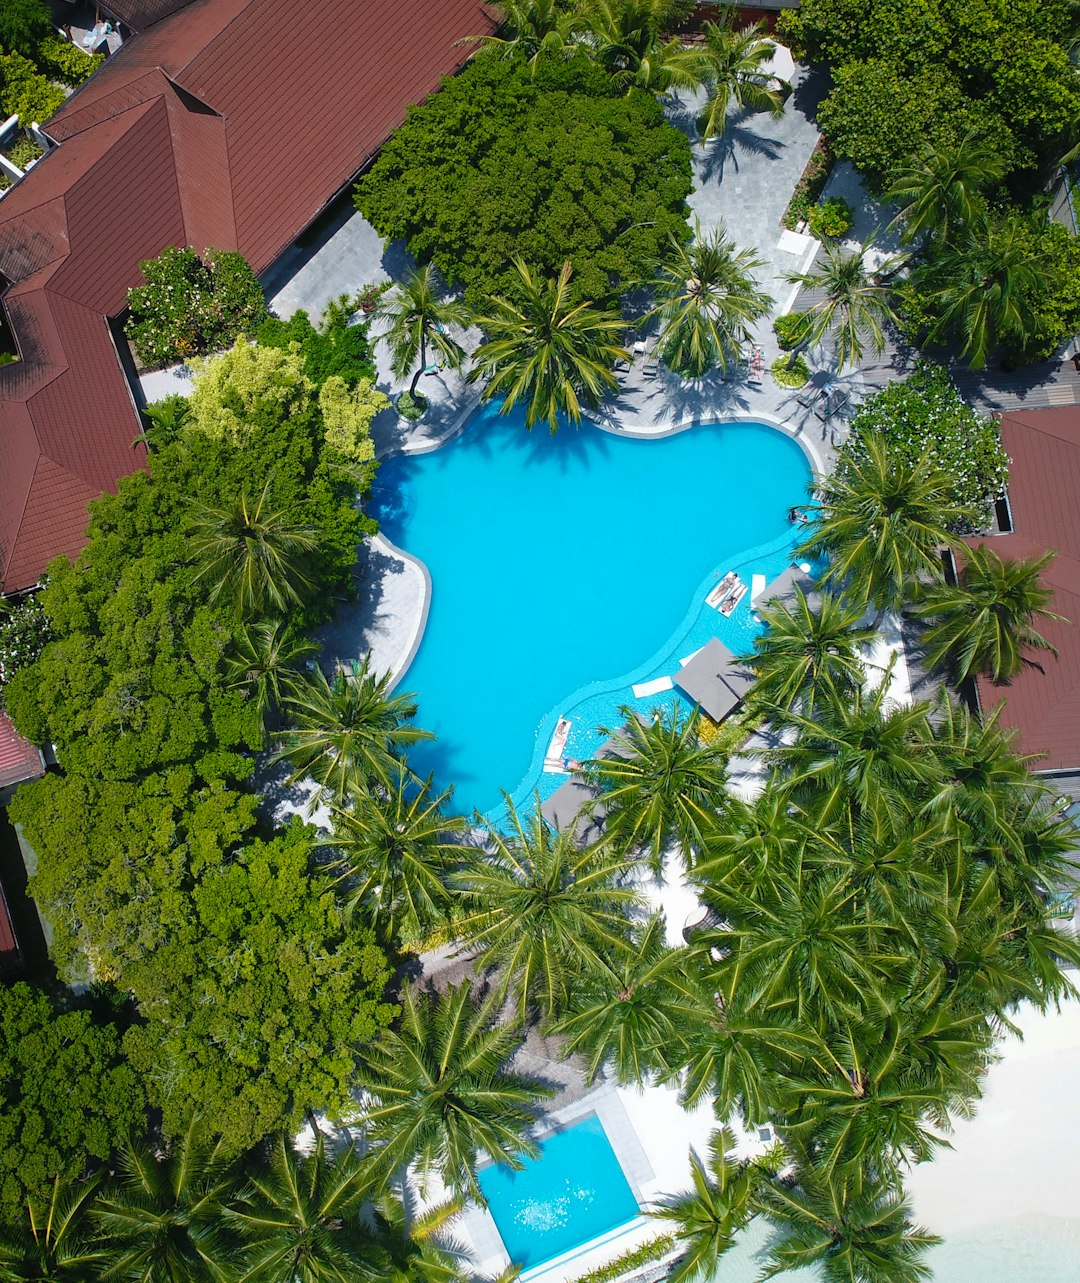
[228, 123]
[19, 760]
[1043, 703]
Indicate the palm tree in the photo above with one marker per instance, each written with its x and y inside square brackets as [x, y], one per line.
[853, 1235]
[545, 912]
[706, 1219]
[882, 522]
[981, 286]
[264, 660]
[625, 39]
[536, 29]
[631, 1014]
[415, 1242]
[806, 653]
[419, 320]
[251, 553]
[55, 1243]
[939, 190]
[856, 304]
[707, 302]
[398, 851]
[660, 784]
[984, 624]
[299, 1219]
[546, 351]
[348, 732]
[439, 1092]
[163, 1221]
[731, 64]
[167, 421]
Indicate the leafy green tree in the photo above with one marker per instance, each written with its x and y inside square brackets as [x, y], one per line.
[265, 999]
[252, 554]
[856, 305]
[731, 64]
[298, 1218]
[553, 355]
[264, 661]
[882, 522]
[536, 29]
[52, 1240]
[338, 346]
[940, 191]
[67, 1097]
[418, 319]
[924, 414]
[233, 391]
[708, 1216]
[624, 36]
[660, 785]
[440, 1091]
[22, 25]
[630, 1014]
[707, 302]
[472, 199]
[163, 1219]
[854, 1236]
[398, 849]
[543, 911]
[806, 653]
[349, 731]
[985, 623]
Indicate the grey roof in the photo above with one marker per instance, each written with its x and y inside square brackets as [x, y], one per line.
[784, 585]
[566, 807]
[714, 680]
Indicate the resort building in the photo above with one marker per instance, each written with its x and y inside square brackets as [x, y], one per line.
[224, 123]
[1043, 702]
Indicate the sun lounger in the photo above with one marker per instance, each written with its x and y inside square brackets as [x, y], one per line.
[722, 589]
[757, 586]
[644, 689]
[818, 385]
[732, 600]
[553, 759]
[757, 367]
[832, 404]
[649, 359]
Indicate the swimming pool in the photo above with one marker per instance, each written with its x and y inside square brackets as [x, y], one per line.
[574, 1192]
[564, 569]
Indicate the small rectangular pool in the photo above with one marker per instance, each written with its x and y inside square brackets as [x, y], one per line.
[572, 1192]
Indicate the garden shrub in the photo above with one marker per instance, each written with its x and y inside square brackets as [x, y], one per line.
[831, 219]
[925, 412]
[191, 305]
[791, 330]
[335, 349]
[556, 166]
[60, 60]
[788, 373]
[23, 24]
[23, 151]
[25, 92]
[809, 187]
[411, 407]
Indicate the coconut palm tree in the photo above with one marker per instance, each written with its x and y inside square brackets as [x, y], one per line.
[731, 64]
[707, 1217]
[660, 785]
[939, 190]
[263, 661]
[419, 321]
[55, 1243]
[167, 421]
[298, 1218]
[882, 522]
[349, 732]
[629, 1015]
[543, 911]
[625, 38]
[981, 286]
[416, 1243]
[707, 302]
[984, 624]
[398, 850]
[855, 307]
[163, 1220]
[251, 553]
[806, 653]
[439, 1092]
[853, 1235]
[535, 30]
[553, 355]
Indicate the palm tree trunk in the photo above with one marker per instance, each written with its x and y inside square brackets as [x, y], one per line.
[421, 367]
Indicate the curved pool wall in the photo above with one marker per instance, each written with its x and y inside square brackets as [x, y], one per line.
[589, 554]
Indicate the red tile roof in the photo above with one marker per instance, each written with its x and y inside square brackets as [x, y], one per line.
[18, 760]
[229, 123]
[1043, 703]
[10, 955]
[140, 14]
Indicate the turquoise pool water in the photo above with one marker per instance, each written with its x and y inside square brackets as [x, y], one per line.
[574, 1192]
[567, 568]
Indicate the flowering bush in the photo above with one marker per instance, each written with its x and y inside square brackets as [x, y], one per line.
[192, 305]
[24, 633]
[925, 412]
